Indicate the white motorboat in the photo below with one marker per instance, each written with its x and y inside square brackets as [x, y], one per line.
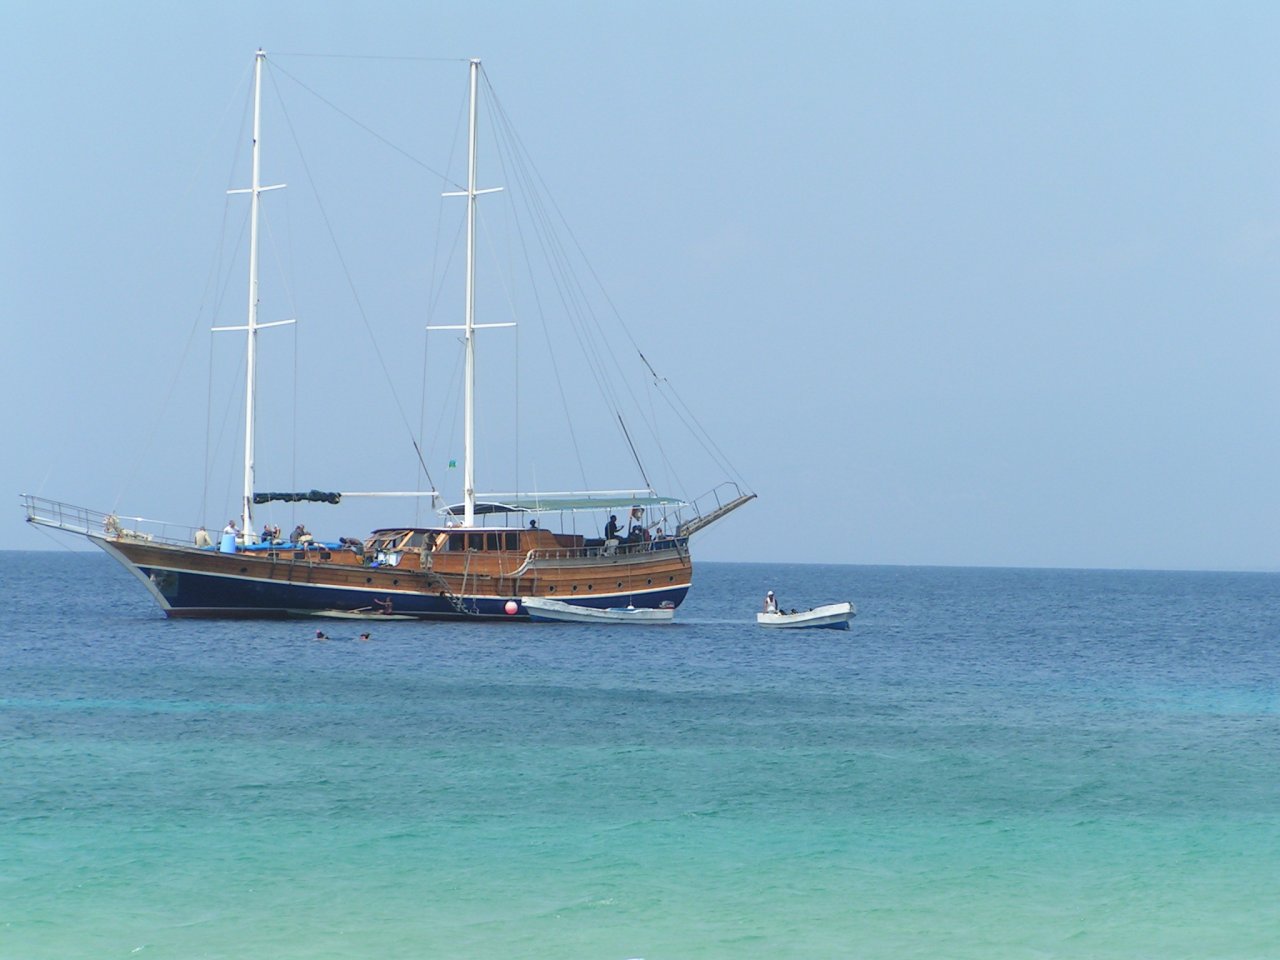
[539, 608]
[831, 616]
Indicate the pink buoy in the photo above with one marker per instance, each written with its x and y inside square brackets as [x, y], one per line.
[511, 608]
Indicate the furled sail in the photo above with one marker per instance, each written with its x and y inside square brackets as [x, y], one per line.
[313, 496]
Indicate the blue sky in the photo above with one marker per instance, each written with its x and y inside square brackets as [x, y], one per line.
[988, 283]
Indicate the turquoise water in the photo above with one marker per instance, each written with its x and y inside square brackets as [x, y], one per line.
[992, 763]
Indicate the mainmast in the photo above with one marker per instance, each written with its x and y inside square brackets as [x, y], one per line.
[252, 326]
[469, 325]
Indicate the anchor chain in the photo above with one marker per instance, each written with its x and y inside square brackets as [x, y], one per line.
[454, 601]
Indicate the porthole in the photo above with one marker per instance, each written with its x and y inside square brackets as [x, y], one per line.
[589, 587]
[368, 579]
[551, 589]
[649, 581]
[671, 579]
[395, 583]
[575, 586]
[244, 569]
[619, 584]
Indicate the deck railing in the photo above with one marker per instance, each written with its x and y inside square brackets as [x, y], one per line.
[720, 500]
[95, 523]
[715, 498]
[604, 551]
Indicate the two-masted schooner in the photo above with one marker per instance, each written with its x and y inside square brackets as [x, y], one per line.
[486, 556]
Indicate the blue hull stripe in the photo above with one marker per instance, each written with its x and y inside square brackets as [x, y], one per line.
[196, 593]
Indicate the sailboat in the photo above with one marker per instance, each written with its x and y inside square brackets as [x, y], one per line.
[486, 556]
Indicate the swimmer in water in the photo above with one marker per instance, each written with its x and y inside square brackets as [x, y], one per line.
[320, 635]
[364, 637]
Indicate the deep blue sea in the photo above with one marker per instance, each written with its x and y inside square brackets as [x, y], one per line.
[991, 764]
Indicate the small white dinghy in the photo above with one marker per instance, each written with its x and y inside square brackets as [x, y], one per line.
[363, 613]
[540, 608]
[832, 616]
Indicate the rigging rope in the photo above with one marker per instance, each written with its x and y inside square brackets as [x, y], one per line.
[333, 239]
[367, 129]
[144, 449]
[696, 430]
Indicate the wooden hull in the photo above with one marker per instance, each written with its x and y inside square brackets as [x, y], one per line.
[192, 582]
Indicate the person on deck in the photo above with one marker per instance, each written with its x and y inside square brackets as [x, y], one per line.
[229, 537]
[770, 603]
[202, 538]
[611, 528]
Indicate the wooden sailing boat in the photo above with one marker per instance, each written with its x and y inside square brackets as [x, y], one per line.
[466, 567]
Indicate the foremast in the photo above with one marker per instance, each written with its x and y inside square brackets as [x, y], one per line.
[252, 326]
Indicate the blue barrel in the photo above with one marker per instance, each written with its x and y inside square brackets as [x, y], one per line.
[228, 542]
